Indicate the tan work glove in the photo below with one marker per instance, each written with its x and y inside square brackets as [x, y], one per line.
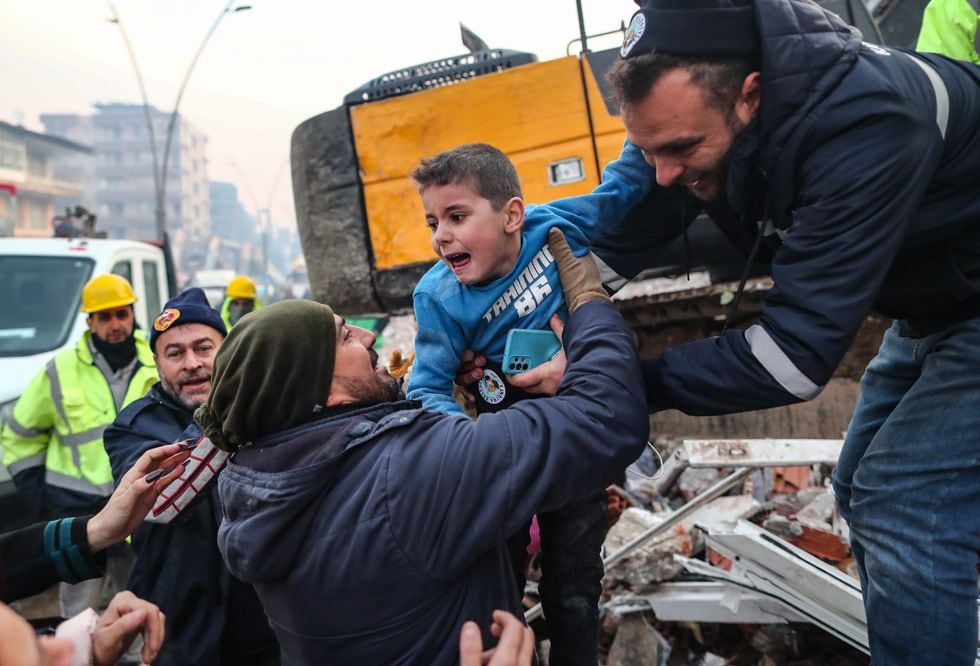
[579, 275]
[398, 366]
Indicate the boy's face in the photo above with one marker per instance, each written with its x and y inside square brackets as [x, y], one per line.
[476, 242]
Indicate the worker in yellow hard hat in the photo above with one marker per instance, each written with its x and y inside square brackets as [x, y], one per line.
[52, 444]
[240, 299]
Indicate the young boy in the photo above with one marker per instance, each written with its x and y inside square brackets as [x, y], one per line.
[496, 274]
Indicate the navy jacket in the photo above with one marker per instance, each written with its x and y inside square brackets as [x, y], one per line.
[867, 189]
[373, 533]
[212, 618]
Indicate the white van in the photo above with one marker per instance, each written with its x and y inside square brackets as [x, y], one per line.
[40, 297]
[213, 282]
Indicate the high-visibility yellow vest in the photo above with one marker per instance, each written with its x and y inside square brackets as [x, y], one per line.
[951, 27]
[226, 310]
[59, 419]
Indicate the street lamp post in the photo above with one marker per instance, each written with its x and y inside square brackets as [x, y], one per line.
[268, 217]
[160, 174]
[264, 215]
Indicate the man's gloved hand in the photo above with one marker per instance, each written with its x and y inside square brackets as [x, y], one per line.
[579, 275]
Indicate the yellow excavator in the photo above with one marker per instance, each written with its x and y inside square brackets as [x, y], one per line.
[360, 216]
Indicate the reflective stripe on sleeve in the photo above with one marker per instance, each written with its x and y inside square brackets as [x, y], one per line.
[22, 431]
[777, 364]
[942, 95]
[18, 466]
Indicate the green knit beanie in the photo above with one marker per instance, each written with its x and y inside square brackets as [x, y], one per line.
[272, 373]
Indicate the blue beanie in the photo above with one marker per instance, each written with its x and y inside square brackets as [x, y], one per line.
[693, 28]
[189, 307]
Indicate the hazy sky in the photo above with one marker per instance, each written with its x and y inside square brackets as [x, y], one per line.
[264, 70]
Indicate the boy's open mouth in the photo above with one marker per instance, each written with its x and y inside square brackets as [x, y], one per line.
[458, 260]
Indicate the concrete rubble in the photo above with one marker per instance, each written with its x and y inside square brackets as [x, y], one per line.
[732, 554]
[683, 593]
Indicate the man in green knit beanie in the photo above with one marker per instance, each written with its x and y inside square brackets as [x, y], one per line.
[372, 528]
[277, 369]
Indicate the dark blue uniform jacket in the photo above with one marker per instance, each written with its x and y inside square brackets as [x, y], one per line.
[864, 176]
[373, 533]
[211, 617]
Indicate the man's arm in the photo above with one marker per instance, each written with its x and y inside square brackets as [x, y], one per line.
[71, 549]
[625, 182]
[858, 189]
[25, 439]
[439, 347]
[37, 556]
[625, 248]
[484, 479]
[124, 444]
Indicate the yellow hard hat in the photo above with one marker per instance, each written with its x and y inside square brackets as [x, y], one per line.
[241, 286]
[106, 292]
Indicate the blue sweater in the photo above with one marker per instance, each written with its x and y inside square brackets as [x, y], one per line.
[453, 317]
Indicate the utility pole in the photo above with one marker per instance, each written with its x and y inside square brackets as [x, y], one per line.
[160, 172]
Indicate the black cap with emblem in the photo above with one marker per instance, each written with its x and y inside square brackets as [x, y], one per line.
[697, 28]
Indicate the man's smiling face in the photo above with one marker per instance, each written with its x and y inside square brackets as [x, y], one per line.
[184, 356]
[684, 136]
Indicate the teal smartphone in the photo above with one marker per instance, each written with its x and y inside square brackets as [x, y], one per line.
[526, 349]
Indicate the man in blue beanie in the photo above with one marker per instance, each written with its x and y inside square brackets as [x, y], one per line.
[212, 617]
[853, 172]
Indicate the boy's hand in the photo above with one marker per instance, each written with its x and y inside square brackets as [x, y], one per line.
[545, 378]
[470, 370]
[398, 365]
[579, 275]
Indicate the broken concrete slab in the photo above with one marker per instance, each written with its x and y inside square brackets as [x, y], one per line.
[653, 562]
[812, 528]
[706, 601]
[637, 643]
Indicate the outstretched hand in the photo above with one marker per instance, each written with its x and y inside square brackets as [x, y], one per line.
[134, 497]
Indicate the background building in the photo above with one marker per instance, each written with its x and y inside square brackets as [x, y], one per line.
[36, 170]
[119, 185]
[234, 232]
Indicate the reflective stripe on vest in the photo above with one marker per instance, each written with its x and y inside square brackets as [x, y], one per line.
[77, 484]
[57, 395]
[21, 431]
